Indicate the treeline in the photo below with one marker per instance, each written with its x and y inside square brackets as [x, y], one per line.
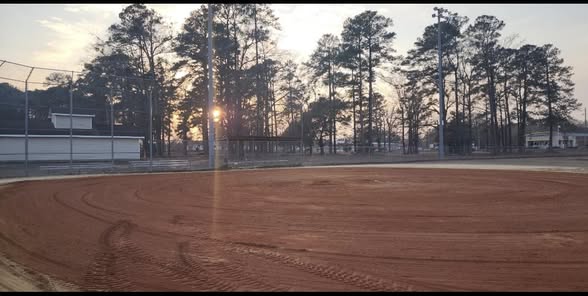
[489, 84]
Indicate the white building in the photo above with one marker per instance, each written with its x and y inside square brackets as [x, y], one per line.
[560, 140]
[79, 121]
[54, 144]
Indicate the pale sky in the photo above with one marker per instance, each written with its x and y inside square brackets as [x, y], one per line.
[61, 35]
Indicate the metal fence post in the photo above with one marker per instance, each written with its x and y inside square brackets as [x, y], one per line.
[27, 122]
[277, 150]
[112, 127]
[151, 129]
[71, 122]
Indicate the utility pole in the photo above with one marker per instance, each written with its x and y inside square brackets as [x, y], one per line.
[441, 90]
[27, 122]
[151, 127]
[71, 121]
[112, 127]
[585, 121]
[302, 129]
[211, 151]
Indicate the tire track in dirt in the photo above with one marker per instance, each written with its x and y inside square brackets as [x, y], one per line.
[119, 258]
[454, 260]
[207, 256]
[102, 273]
[326, 271]
[31, 253]
[220, 264]
[182, 277]
[209, 281]
[208, 248]
[84, 199]
[86, 214]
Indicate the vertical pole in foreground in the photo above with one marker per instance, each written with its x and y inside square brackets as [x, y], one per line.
[27, 123]
[441, 90]
[211, 151]
[302, 131]
[111, 127]
[71, 121]
[151, 129]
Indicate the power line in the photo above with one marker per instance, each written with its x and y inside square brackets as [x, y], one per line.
[11, 79]
[68, 71]
[41, 68]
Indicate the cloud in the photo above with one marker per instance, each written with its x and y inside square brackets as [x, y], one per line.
[175, 14]
[68, 44]
[94, 8]
[73, 31]
[303, 25]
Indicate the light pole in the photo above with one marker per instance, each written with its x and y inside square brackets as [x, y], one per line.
[151, 128]
[71, 120]
[438, 15]
[111, 127]
[211, 151]
[558, 136]
[27, 122]
[302, 128]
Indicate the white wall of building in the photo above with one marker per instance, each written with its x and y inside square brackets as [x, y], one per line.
[560, 140]
[57, 147]
[79, 121]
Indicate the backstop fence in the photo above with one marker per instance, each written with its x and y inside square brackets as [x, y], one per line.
[52, 118]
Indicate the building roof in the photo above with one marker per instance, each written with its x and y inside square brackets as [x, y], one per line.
[555, 133]
[45, 127]
[73, 115]
[67, 136]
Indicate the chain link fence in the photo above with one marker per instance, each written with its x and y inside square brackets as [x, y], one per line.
[252, 151]
[59, 121]
[55, 122]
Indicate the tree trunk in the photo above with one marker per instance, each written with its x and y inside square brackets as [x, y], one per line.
[507, 113]
[257, 82]
[330, 109]
[169, 139]
[457, 123]
[493, 113]
[470, 125]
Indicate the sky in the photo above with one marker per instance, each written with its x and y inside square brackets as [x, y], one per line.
[61, 35]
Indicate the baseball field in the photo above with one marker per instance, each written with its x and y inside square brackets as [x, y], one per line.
[364, 228]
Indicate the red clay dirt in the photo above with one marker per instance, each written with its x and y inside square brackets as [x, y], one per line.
[327, 229]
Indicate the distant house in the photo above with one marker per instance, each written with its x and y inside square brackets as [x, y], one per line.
[560, 139]
[50, 139]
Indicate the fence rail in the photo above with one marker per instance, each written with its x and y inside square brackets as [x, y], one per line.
[296, 158]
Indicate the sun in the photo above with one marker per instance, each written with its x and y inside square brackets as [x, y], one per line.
[216, 113]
